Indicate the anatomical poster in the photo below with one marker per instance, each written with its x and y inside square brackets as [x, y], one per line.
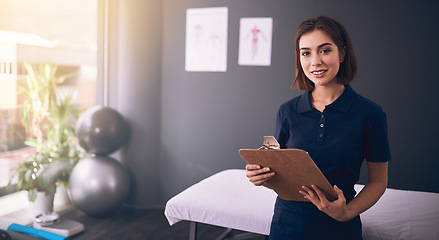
[206, 39]
[255, 41]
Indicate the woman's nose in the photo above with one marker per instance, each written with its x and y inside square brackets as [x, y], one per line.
[316, 60]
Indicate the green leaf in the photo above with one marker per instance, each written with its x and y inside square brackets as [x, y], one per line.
[32, 194]
[28, 175]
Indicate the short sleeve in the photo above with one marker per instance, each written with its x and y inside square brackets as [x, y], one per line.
[376, 144]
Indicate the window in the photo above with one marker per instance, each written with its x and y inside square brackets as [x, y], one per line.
[60, 32]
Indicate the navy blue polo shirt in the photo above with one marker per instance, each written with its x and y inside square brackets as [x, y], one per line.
[349, 130]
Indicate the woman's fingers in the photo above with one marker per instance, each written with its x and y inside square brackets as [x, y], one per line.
[253, 170]
[250, 167]
[307, 193]
[258, 175]
[320, 194]
[315, 195]
[261, 179]
[339, 193]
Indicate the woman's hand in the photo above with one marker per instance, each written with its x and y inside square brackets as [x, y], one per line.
[368, 196]
[336, 209]
[257, 175]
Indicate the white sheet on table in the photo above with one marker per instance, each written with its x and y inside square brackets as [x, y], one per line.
[226, 199]
[401, 214]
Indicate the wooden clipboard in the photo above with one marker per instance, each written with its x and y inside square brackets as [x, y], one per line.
[294, 168]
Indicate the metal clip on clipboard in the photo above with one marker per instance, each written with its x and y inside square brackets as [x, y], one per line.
[269, 142]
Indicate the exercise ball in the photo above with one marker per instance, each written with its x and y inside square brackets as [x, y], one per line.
[98, 185]
[102, 130]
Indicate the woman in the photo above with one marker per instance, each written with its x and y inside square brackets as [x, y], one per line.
[338, 128]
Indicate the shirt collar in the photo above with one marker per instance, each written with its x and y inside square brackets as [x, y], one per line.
[345, 101]
[304, 103]
[341, 104]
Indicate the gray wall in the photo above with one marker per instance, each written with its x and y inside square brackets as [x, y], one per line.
[200, 120]
[135, 34]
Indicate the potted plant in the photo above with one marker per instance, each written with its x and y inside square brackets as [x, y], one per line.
[49, 119]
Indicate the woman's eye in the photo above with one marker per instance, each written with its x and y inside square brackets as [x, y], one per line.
[305, 53]
[324, 51]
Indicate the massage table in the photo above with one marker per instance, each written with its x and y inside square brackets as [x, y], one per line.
[227, 199]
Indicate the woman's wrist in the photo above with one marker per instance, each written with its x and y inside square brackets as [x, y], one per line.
[348, 215]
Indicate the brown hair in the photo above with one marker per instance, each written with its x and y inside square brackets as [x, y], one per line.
[338, 34]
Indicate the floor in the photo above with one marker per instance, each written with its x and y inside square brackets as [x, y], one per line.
[128, 223]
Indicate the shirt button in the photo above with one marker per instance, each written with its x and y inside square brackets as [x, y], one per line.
[321, 125]
[323, 116]
[321, 135]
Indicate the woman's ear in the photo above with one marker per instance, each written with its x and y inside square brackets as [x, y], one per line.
[342, 54]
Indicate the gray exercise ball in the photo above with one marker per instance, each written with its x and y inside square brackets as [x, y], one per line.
[98, 185]
[102, 130]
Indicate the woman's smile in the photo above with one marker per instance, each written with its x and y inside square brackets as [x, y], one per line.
[318, 73]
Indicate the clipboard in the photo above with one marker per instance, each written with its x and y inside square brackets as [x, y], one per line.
[294, 168]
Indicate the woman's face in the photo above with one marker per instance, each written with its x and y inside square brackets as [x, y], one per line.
[319, 58]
